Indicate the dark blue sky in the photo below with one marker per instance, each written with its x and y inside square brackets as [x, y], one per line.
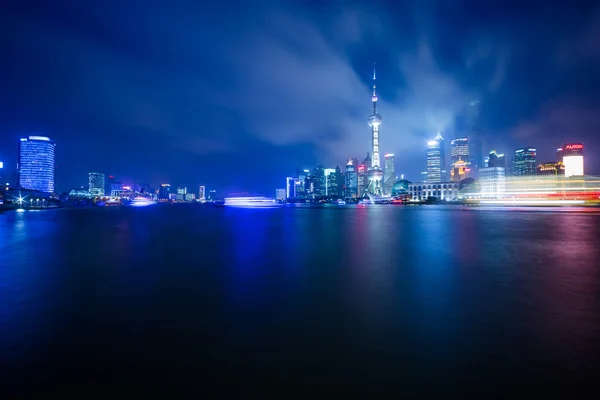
[236, 95]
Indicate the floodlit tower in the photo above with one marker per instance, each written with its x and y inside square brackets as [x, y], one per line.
[375, 173]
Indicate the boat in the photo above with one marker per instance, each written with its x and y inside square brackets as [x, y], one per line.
[113, 203]
[251, 201]
[140, 201]
[341, 202]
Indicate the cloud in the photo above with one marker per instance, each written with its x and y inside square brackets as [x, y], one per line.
[209, 80]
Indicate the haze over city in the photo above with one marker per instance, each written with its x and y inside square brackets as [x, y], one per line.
[237, 96]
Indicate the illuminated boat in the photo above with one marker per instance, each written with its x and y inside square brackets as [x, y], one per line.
[113, 203]
[341, 202]
[251, 201]
[140, 201]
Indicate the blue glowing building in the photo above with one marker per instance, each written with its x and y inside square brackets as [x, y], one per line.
[36, 163]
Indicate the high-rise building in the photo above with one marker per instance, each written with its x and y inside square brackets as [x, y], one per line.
[2, 176]
[36, 163]
[362, 180]
[524, 162]
[459, 151]
[302, 174]
[375, 173]
[290, 188]
[96, 183]
[317, 181]
[164, 191]
[390, 173]
[331, 182]
[496, 160]
[351, 178]
[474, 126]
[202, 193]
[436, 159]
[572, 155]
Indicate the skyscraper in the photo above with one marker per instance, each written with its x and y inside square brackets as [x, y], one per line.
[524, 163]
[436, 159]
[375, 172]
[290, 187]
[496, 160]
[202, 193]
[36, 163]
[96, 183]
[390, 174]
[351, 178]
[331, 182]
[459, 151]
[474, 127]
[164, 191]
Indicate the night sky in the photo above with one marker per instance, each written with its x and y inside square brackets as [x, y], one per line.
[236, 95]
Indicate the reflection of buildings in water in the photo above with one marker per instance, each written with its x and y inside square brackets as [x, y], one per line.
[569, 284]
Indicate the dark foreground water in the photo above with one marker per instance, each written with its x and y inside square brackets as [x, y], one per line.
[185, 300]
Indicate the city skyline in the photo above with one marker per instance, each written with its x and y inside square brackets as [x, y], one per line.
[296, 103]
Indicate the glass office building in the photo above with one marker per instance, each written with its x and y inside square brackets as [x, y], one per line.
[36, 163]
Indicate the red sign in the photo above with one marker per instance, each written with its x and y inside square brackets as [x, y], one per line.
[573, 146]
[361, 168]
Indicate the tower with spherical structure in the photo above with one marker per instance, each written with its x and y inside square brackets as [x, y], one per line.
[375, 173]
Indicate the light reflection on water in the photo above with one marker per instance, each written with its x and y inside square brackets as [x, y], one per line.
[359, 295]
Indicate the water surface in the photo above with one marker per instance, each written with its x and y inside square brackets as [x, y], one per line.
[179, 300]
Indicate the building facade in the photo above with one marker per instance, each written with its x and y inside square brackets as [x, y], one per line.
[390, 173]
[496, 160]
[351, 179]
[459, 151]
[572, 155]
[164, 192]
[436, 159]
[441, 191]
[202, 193]
[290, 188]
[96, 184]
[36, 163]
[492, 181]
[554, 168]
[524, 163]
[280, 194]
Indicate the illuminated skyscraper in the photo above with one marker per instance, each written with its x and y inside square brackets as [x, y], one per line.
[496, 160]
[524, 163]
[290, 188]
[96, 183]
[331, 181]
[164, 191]
[362, 180]
[436, 159]
[351, 178]
[202, 193]
[459, 151]
[36, 163]
[390, 173]
[375, 173]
